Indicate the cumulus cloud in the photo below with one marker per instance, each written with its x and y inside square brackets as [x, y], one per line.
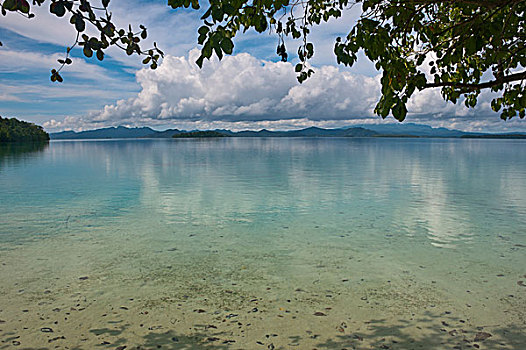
[242, 91]
[243, 88]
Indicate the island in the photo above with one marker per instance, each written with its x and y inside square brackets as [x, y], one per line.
[14, 130]
[199, 134]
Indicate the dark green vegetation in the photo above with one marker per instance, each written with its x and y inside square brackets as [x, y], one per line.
[467, 45]
[199, 134]
[496, 136]
[14, 130]
[365, 130]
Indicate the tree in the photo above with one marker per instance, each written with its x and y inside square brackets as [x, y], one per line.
[14, 130]
[460, 46]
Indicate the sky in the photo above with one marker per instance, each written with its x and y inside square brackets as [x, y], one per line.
[250, 89]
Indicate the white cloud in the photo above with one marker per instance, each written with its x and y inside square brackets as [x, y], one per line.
[85, 84]
[43, 27]
[31, 61]
[4, 96]
[243, 92]
[243, 88]
[161, 21]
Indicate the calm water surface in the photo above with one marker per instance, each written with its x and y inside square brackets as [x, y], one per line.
[264, 243]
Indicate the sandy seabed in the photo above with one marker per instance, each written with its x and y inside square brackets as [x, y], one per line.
[55, 297]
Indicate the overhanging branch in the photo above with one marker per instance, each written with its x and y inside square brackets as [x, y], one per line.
[481, 3]
[485, 85]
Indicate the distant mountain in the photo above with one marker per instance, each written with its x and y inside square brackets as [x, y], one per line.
[360, 132]
[363, 130]
[199, 134]
[411, 129]
[145, 132]
[164, 134]
[308, 132]
[106, 133]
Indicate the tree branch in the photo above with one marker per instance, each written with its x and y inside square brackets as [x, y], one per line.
[481, 3]
[488, 84]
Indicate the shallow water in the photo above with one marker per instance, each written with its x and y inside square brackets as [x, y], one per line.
[263, 243]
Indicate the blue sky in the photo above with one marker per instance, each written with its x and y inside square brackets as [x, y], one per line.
[249, 90]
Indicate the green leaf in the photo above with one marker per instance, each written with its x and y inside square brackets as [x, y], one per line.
[261, 24]
[310, 48]
[207, 50]
[399, 111]
[302, 77]
[217, 14]
[23, 6]
[80, 25]
[109, 30]
[57, 8]
[10, 5]
[420, 60]
[227, 45]
[100, 55]
[87, 51]
[229, 9]
[199, 61]
[203, 30]
[471, 46]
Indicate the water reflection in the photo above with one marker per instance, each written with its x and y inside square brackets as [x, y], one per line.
[13, 152]
[446, 191]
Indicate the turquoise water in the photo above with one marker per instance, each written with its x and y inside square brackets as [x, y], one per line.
[390, 239]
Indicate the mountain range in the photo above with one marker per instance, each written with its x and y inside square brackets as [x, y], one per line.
[365, 130]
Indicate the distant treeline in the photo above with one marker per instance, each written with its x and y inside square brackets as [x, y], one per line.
[198, 134]
[495, 136]
[14, 130]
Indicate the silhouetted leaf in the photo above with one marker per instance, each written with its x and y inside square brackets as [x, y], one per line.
[87, 51]
[23, 6]
[57, 8]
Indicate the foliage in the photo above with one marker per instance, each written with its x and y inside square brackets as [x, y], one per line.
[82, 13]
[464, 46]
[463, 42]
[14, 130]
[199, 134]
